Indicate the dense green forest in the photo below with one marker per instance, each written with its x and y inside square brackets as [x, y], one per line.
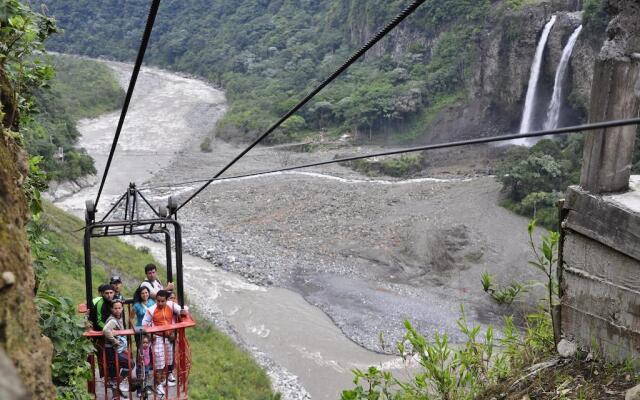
[535, 178]
[79, 89]
[268, 54]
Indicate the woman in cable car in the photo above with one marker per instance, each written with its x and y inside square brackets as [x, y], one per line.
[165, 324]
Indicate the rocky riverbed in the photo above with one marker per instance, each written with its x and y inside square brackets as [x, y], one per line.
[368, 252]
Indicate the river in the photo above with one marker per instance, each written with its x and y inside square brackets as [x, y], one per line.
[304, 352]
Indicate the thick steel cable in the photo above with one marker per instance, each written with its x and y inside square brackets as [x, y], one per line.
[491, 139]
[153, 11]
[354, 57]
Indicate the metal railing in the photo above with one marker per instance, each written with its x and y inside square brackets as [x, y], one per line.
[122, 372]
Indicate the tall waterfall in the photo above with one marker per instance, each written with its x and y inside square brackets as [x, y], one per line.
[529, 103]
[553, 113]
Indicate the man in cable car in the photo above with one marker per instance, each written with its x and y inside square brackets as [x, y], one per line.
[163, 313]
[116, 282]
[152, 282]
[101, 309]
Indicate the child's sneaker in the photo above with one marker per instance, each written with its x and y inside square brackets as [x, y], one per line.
[124, 385]
[171, 379]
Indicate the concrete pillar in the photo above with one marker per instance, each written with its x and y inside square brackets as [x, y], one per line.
[600, 257]
[607, 156]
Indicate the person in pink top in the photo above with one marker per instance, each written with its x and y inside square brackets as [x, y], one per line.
[145, 364]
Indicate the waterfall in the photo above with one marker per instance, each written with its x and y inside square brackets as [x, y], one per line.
[553, 113]
[529, 103]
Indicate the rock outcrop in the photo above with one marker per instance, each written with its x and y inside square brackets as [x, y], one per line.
[20, 336]
[497, 85]
[60, 190]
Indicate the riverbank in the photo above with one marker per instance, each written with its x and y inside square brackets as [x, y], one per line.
[367, 252]
[283, 340]
[240, 378]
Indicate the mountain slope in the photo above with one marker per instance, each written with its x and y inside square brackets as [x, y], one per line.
[455, 66]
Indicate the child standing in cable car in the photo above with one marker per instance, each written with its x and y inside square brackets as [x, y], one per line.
[145, 363]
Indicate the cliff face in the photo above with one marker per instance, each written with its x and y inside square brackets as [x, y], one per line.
[498, 86]
[499, 73]
[20, 337]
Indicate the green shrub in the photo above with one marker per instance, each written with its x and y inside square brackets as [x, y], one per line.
[541, 206]
[537, 173]
[399, 167]
[594, 17]
[60, 323]
[445, 371]
[205, 146]
[403, 166]
[516, 4]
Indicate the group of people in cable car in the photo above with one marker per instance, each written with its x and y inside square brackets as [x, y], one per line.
[153, 305]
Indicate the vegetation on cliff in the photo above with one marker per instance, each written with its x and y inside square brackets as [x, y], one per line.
[76, 89]
[594, 20]
[22, 34]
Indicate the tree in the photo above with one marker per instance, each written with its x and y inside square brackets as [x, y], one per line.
[321, 111]
[537, 173]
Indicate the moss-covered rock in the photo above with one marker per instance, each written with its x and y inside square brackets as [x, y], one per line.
[20, 335]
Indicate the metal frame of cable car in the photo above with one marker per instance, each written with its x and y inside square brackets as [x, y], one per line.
[130, 225]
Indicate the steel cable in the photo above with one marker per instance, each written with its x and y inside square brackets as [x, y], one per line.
[354, 57]
[491, 139]
[153, 11]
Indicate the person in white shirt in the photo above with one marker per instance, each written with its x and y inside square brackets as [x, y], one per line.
[152, 282]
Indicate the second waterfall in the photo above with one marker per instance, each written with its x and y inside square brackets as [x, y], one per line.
[553, 113]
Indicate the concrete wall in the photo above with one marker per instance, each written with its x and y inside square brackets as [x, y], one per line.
[600, 280]
[600, 264]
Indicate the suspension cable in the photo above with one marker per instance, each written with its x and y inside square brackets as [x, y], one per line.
[153, 11]
[354, 57]
[580, 129]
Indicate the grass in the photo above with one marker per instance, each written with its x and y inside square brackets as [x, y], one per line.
[220, 369]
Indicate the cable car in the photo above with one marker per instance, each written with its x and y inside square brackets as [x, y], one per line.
[132, 214]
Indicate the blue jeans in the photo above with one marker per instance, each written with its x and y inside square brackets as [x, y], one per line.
[123, 361]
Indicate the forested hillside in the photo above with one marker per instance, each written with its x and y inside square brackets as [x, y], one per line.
[267, 54]
[77, 89]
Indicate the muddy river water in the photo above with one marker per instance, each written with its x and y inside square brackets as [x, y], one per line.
[299, 345]
[305, 269]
